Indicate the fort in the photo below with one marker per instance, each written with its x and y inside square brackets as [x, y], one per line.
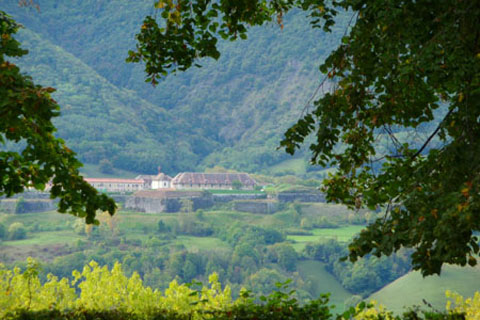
[182, 181]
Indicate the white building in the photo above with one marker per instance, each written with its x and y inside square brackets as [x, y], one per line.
[116, 185]
[154, 182]
[196, 180]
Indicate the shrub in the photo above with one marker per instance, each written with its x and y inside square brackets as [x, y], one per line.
[109, 294]
[237, 185]
[106, 167]
[324, 222]
[470, 307]
[3, 231]
[17, 231]
[79, 226]
[20, 205]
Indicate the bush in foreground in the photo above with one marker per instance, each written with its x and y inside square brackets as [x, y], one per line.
[109, 294]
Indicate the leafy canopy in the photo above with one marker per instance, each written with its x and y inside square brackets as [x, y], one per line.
[400, 64]
[26, 111]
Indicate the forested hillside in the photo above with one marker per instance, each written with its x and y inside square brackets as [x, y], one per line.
[230, 112]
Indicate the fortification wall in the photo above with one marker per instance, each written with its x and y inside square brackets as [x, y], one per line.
[260, 207]
[301, 196]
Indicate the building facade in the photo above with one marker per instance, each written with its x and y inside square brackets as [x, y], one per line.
[116, 185]
[228, 181]
[154, 182]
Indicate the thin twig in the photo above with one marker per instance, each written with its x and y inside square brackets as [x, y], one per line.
[432, 135]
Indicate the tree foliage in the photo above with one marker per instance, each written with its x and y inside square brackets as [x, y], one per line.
[397, 65]
[26, 111]
[99, 292]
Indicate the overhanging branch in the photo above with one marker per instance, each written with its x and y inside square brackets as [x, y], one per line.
[425, 144]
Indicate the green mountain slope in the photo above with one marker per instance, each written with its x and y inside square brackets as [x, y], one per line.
[100, 120]
[231, 112]
[412, 288]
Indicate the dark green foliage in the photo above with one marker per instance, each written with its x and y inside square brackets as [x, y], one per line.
[284, 255]
[162, 227]
[366, 275]
[89, 315]
[105, 166]
[393, 70]
[26, 113]
[238, 233]
[190, 224]
[276, 306]
[20, 205]
[3, 231]
[417, 63]
[237, 185]
[323, 251]
[17, 231]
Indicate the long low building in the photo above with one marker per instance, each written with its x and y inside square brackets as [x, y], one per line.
[196, 180]
[116, 185]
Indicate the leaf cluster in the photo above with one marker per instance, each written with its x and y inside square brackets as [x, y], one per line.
[398, 63]
[26, 112]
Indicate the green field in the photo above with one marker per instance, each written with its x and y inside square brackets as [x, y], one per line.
[46, 238]
[323, 282]
[48, 229]
[412, 288]
[333, 212]
[342, 234]
[52, 218]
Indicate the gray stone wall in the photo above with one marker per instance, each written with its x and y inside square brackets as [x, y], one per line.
[255, 203]
[158, 205]
[202, 203]
[260, 207]
[223, 198]
[148, 205]
[301, 196]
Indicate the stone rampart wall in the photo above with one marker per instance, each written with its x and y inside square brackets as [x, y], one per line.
[301, 197]
[260, 207]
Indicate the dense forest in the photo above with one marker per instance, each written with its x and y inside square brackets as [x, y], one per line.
[231, 112]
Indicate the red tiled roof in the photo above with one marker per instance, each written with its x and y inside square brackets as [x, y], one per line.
[112, 180]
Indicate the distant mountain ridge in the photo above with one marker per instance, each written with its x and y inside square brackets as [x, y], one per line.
[231, 112]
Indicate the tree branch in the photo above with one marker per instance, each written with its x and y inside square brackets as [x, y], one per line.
[431, 136]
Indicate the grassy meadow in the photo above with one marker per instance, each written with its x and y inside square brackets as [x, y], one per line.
[341, 234]
[324, 282]
[411, 289]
